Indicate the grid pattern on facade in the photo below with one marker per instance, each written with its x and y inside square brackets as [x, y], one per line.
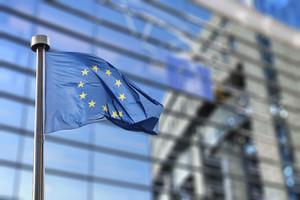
[222, 149]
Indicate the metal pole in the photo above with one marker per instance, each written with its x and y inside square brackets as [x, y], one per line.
[39, 44]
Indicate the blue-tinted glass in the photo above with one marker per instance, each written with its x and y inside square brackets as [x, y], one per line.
[274, 92]
[64, 42]
[109, 136]
[6, 182]
[13, 53]
[288, 171]
[264, 41]
[85, 6]
[30, 111]
[17, 27]
[122, 168]
[65, 20]
[266, 57]
[177, 20]
[249, 149]
[293, 195]
[119, 39]
[10, 112]
[290, 182]
[231, 121]
[109, 14]
[131, 65]
[8, 146]
[162, 34]
[270, 74]
[177, 5]
[65, 188]
[27, 7]
[70, 159]
[142, 26]
[286, 11]
[3, 20]
[108, 192]
[199, 12]
[232, 44]
[286, 155]
[12, 82]
[155, 93]
[28, 150]
[30, 90]
[79, 134]
[225, 57]
[25, 182]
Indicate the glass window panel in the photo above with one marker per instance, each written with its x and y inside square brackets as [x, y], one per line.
[131, 65]
[112, 193]
[157, 52]
[27, 6]
[28, 150]
[155, 93]
[64, 42]
[16, 26]
[87, 6]
[109, 14]
[285, 11]
[111, 136]
[31, 84]
[79, 134]
[65, 20]
[124, 169]
[14, 53]
[25, 190]
[3, 19]
[12, 82]
[119, 39]
[141, 26]
[159, 13]
[10, 112]
[200, 12]
[60, 188]
[8, 146]
[30, 118]
[157, 73]
[6, 181]
[162, 34]
[66, 158]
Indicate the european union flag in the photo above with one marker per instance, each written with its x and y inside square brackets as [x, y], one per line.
[82, 89]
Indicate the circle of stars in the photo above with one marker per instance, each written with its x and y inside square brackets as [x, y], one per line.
[92, 103]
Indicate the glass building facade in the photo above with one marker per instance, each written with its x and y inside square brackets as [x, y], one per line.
[285, 11]
[241, 144]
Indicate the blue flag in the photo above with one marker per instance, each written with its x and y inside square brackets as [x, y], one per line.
[82, 89]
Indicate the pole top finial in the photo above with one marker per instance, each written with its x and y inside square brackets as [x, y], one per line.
[38, 40]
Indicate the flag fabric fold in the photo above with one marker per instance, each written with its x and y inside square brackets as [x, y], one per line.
[81, 89]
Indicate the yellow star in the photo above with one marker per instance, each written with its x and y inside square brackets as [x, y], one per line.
[105, 108]
[82, 96]
[120, 114]
[118, 82]
[80, 84]
[114, 115]
[84, 72]
[95, 68]
[108, 72]
[122, 96]
[92, 103]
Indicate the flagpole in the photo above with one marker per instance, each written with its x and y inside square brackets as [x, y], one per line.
[39, 44]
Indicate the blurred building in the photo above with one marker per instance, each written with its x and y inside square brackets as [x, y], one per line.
[243, 145]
